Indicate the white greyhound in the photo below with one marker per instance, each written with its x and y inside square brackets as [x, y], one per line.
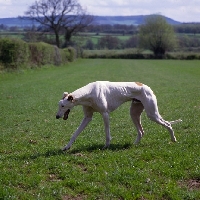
[104, 97]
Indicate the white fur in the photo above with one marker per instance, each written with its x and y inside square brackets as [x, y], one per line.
[104, 97]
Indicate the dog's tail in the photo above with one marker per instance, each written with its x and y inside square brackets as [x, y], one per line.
[176, 121]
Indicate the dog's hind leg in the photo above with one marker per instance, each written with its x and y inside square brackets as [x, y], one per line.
[135, 112]
[88, 117]
[152, 112]
[166, 124]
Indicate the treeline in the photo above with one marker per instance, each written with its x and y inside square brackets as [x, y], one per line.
[113, 29]
[187, 28]
[103, 28]
[184, 42]
[16, 53]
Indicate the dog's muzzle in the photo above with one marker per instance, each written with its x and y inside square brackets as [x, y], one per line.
[65, 117]
[66, 114]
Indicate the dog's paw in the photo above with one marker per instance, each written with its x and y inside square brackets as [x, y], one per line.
[66, 148]
[174, 139]
[105, 147]
[136, 142]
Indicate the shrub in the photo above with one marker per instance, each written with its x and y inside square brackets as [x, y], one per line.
[70, 53]
[42, 54]
[13, 52]
[192, 57]
[17, 53]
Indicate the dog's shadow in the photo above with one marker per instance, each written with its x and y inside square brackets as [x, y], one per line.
[99, 147]
[73, 150]
[89, 148]
[81, 149]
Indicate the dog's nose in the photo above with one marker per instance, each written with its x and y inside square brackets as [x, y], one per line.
[57, 116]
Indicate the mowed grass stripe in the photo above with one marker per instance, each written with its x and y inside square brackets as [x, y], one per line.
[34, 167]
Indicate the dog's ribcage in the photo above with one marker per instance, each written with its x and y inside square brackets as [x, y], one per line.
[107, 96]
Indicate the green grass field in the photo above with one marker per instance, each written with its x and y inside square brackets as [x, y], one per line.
[33, 165]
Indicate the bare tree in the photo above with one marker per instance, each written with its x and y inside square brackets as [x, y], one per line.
[59, 14]
[76, 24]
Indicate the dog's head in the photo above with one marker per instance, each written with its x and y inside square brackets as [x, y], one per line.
[64, 106]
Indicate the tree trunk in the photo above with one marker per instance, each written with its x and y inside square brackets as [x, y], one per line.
[57, 39]
[68, 35]
[159, 52]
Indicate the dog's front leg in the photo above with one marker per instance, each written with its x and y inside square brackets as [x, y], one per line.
[84, 123]
[105, 116]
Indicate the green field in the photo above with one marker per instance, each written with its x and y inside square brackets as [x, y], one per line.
[33, 165]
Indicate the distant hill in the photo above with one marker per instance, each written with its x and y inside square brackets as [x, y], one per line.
[128, 20]
[16, 22]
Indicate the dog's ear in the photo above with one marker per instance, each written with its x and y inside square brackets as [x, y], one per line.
[70, 98]
[64, 95]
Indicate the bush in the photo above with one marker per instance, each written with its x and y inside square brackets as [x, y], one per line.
[70, 53]
[182, 56]
[41, 53]
[192, 57]
[13, 52]
[17, 54]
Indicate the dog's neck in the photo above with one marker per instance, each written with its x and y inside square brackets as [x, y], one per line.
[81, 96]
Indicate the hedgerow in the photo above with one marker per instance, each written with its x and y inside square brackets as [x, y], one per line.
[15, 53]
[130, 54]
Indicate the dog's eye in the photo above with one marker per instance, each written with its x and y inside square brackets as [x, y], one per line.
[62, 106]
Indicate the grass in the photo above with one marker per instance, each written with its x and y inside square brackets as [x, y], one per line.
[34, 167]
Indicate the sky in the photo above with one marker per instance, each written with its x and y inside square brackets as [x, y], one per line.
[179, 10]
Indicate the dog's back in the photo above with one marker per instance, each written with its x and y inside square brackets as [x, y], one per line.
[119, 89]
[113, 94]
